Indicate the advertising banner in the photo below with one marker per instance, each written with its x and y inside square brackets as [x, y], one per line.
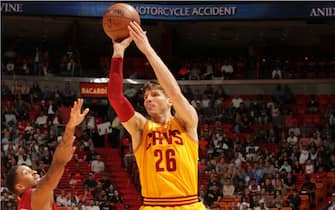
[186, 11]
[96, 90]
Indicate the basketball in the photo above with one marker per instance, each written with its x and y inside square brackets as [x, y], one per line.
[116, 19]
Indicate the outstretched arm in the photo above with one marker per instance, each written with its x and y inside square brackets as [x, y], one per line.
[130, 119]
[184, 110]
[61, 157]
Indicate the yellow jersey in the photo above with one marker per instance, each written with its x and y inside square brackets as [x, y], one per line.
[167, 158]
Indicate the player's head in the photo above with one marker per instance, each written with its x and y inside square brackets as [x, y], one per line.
[156, 100]
[21, 178]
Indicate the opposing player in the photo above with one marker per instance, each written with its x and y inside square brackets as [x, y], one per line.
[33, 192]
[165, 146]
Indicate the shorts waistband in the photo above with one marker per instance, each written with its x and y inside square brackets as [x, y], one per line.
[170, 201]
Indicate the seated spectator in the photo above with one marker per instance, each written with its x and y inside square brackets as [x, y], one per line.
[269, 188]
[292, 139]
[304, 154]
[9, 117]
[227, 70]
[246, 124]
[24, 158]
[304, 140]
[105, 181]
[183, 72]
[309, 167]
[72, 199]
[209, 71]
[308, 188]
[194, 72]
[269, 170]
[291, 121]
[80, 154]
[10, 68]
[213, 189]
[253, 187]
[61, 199]
[91, 153]
[261, 205]
[202, 197]
[313, 105]
[331, 203]
[41, 119]
[289, 182]
[76, 177]
[91, 205]
[97, 165]
[243, 205]
[90, 182]
[251, 151]
[116, 199]
[294, 200]
[278, 199]
[286, 166]
[321, 175]
[276, 73]
[313, 152]
[236, 101]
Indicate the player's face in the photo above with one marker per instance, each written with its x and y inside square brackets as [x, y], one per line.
[27, 177]
[156, 102]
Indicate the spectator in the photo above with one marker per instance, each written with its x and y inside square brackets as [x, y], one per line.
[253, 187]
[194, 73]
[41, 119]
[72, 199]
[61, 199]
[308, 188]
[276, 73]
[268, 186]
[208, 75]
[228, 188]
[92, 205]
[116, 199]
[289, 182]
[90, 182]
[309, 167]
[286, 166]
[312, 105]
[236, 101]
[37, 61]
[294, 200]
[105, 181]
[227, 70]
[331, 203]
[292, 139]
[183, 72]
[304, 154]
[278, 199]
[97, 165]
[24, 159]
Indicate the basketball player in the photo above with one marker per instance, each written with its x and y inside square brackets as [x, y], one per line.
[33, 192]
[165, 146]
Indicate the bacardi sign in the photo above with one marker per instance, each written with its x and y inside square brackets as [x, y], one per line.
[93, 90]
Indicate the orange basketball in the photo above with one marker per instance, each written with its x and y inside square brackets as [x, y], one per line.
[116, 19]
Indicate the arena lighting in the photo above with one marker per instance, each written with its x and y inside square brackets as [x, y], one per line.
[126, 81]
[99, 80]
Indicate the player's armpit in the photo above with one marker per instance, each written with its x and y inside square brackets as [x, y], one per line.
[135, 126]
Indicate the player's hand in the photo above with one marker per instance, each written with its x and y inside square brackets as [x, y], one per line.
[139, 36]
[76, 116]
[120, 47]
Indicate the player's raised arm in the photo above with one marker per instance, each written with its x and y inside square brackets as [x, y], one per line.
[130, 119]
[62, 155]
[184, 110]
